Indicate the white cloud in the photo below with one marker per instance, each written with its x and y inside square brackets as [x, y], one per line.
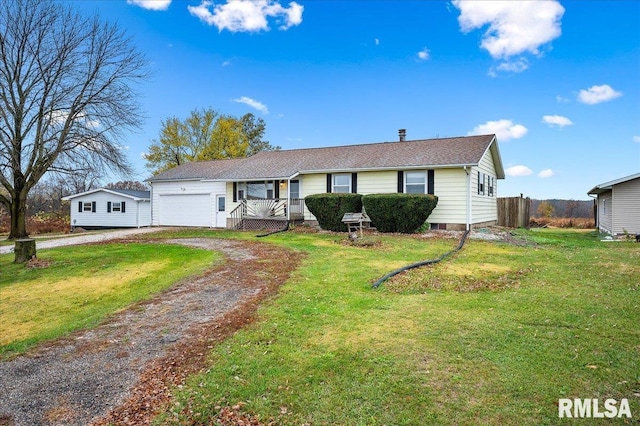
[518, 65]
[515, 27]
[151, 4]
[252, 103]
[248, 15]
[503, 129]
[518, 171]
[562, 99]
[546, 173]
[424, 54]
[557, 120]
[597, 94]
[636, 139]
[377, 41]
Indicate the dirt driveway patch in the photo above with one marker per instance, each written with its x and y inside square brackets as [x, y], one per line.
[122, 372]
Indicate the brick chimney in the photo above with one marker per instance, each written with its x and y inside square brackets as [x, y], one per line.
[402, 134]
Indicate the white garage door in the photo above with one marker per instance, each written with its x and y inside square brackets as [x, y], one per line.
[185, 210]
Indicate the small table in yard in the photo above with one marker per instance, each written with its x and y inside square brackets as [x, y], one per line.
[355, 222]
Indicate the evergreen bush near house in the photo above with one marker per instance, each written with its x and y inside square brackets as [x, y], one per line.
[329, 209]
[403, 213]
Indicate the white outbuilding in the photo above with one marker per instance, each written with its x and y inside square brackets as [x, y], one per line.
[110, 208]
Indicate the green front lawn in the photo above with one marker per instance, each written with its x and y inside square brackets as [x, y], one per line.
[78, 286]
[496, 335]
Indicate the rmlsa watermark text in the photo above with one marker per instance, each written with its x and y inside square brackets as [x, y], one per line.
[593, 408]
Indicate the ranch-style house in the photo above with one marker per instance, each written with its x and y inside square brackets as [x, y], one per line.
[269, 187]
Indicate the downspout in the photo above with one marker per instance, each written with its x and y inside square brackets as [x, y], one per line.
[151, 204]
[468, 224]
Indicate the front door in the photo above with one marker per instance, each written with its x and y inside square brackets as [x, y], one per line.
[221, 211]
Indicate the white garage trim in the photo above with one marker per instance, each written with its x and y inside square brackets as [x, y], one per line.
[185, 210]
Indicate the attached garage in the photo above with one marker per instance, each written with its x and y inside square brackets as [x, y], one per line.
[185, 210]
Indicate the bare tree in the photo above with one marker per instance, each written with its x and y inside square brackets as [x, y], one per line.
[67, 96]
[132, 185]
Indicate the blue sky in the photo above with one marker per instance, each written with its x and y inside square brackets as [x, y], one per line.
[557, 81]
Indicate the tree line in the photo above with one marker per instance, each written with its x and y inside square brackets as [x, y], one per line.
[562, 208]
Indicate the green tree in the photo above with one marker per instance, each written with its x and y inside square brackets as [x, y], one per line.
[67, 93]
[206, 135]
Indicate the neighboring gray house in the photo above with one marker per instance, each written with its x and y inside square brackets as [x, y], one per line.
[618, 204]
[110, 208]
[271, 185]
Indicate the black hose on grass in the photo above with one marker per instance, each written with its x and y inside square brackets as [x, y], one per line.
[424, 262]
[285, 228]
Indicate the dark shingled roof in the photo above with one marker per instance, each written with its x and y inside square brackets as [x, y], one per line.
[131, 193]
[432, 153]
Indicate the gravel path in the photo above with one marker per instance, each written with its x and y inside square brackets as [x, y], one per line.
[74, 239]
[98, 373]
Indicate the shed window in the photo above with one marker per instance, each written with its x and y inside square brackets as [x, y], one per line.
[342, 183]
[415, 183]
[481, 186]
[115, 207]
[87, 206]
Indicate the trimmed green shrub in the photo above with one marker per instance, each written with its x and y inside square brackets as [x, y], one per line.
[399, 212]
[329, 209]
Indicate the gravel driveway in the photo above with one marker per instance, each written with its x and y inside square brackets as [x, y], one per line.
[74, 239]
[122, 371]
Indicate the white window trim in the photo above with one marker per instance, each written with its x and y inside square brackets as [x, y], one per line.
[424, 184]
[334, 186]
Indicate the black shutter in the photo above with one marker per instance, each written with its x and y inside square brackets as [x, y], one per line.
[400, 181]
[108, 206]
[235, 192]
[122, 207]
[479, 183]
[430, 181]
[354, 183]
[329, 182]
[276, 189]
[80, 206]
[93, 207]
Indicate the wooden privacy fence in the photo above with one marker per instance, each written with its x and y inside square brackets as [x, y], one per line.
[514, 212]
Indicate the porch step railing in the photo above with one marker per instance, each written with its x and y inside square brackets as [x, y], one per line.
[238, 214]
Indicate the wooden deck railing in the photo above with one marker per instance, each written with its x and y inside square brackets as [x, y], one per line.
[275, 209]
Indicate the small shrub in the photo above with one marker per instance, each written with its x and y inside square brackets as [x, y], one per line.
[329, 209]
[403, 213]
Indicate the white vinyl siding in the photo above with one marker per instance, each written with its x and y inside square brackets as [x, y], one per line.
[202, 199]
[312, 184]
[377, 182]
[626, 207]
[137, 213]
[484, 206]
[450, 186]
